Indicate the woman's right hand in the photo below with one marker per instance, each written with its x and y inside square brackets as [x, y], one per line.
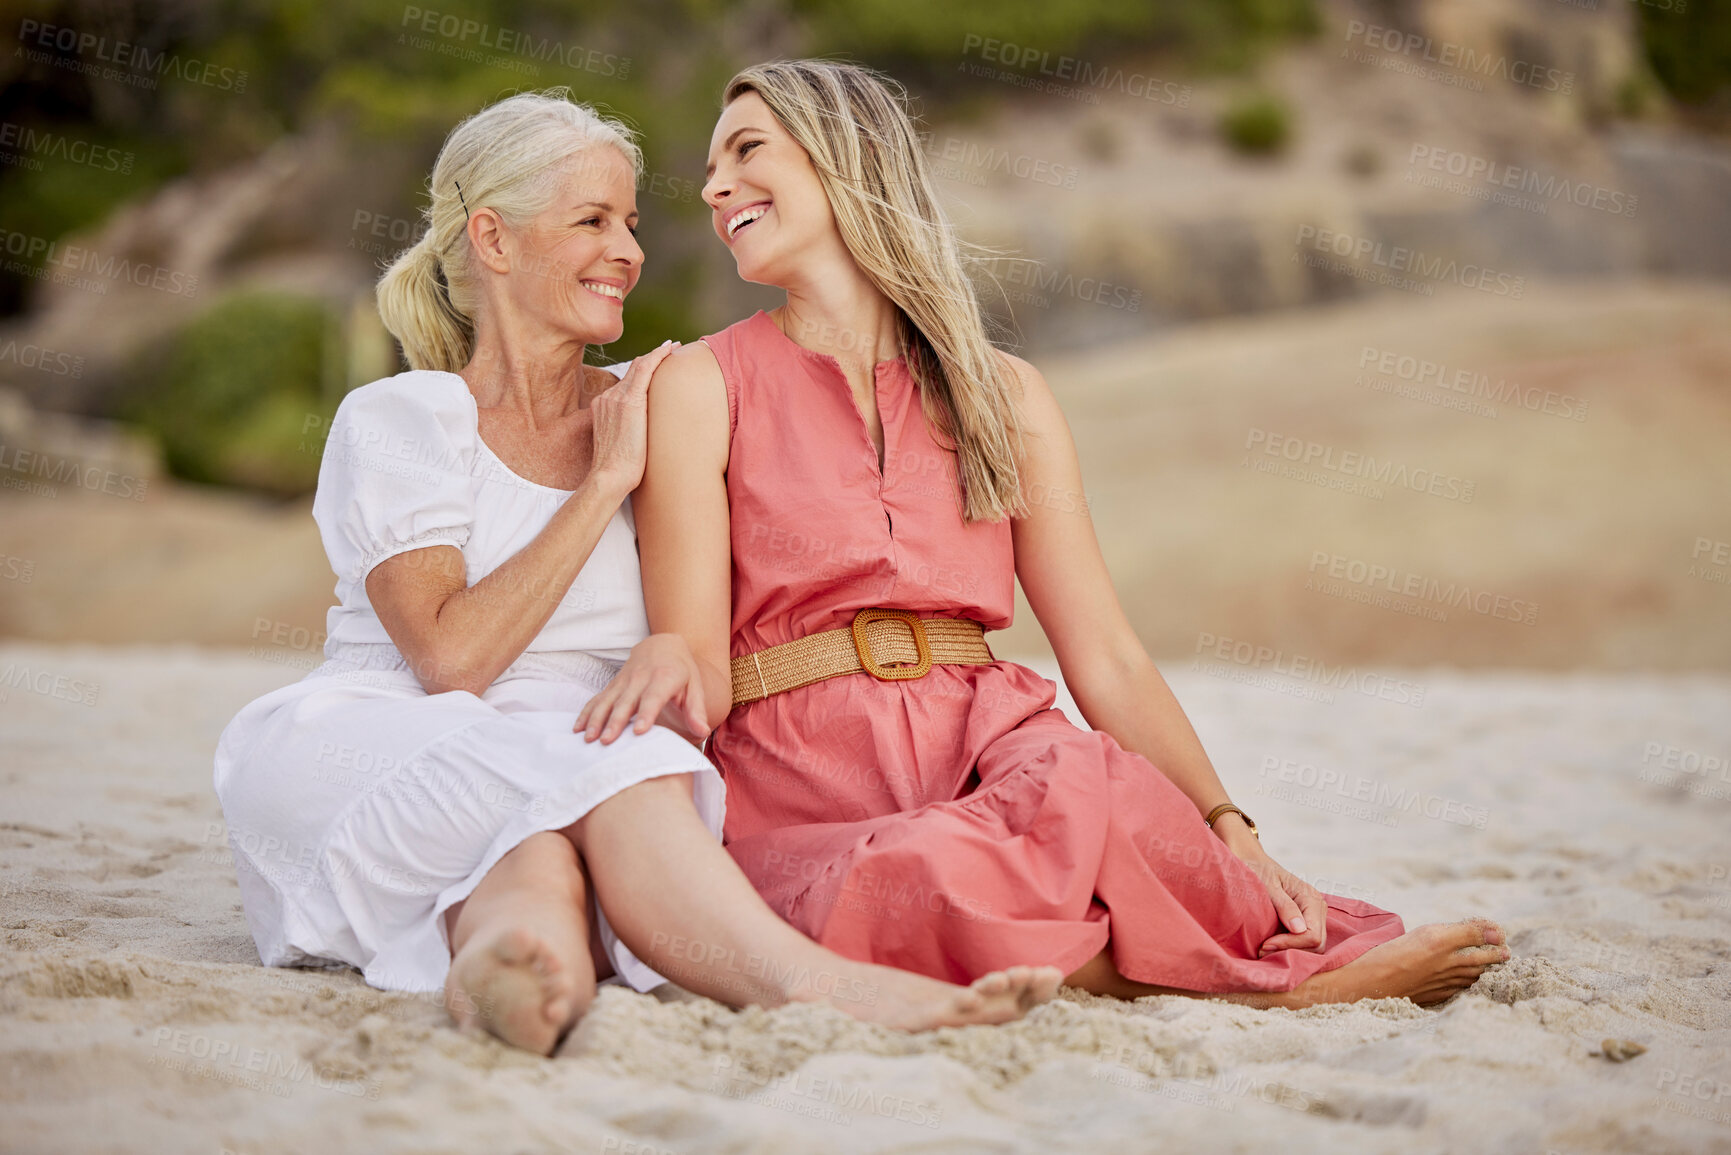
[660, 682]
[620, 417]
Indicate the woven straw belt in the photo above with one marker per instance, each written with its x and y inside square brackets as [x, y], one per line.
[890, 645]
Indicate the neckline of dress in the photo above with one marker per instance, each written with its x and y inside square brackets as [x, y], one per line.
[475, 413]
[763, 314]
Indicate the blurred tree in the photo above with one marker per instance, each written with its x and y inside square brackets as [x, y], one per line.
[1689, 47]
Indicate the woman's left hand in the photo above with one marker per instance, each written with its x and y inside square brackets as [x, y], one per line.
[1300, 906]
[659, 682]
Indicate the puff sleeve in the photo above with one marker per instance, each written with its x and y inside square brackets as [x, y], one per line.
[397, 473]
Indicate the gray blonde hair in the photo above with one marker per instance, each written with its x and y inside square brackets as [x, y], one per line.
[510, 157]
[855, 125]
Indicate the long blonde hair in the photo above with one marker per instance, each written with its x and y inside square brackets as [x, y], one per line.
[510, 156]
[854, 123]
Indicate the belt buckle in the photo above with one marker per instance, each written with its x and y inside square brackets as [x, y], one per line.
[922, 646]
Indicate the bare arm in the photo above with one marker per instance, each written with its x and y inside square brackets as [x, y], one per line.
[461, 637]
[682, 517]
[1111, 676]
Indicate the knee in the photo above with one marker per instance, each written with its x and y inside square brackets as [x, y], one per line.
[548, 854]
[642, 800]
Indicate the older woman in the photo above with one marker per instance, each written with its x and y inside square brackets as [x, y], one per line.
[431, 805]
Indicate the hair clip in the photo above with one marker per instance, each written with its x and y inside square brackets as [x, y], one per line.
[460, 198]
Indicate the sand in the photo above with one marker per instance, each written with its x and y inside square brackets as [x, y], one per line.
[1580, 810]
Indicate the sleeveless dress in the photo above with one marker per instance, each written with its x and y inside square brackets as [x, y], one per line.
[957, 823]
[358, 807]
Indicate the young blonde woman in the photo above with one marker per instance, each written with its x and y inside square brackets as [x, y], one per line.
[840, 496]
[428, 805]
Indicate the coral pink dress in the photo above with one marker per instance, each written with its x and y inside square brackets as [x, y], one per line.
[957, 823]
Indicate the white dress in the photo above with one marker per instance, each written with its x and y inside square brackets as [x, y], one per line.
[359, 808]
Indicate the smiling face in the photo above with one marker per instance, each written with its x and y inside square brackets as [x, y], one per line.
[572, 266]
[767, 203]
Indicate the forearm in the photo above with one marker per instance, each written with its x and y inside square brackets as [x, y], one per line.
[717, 690]
[1134, 705]
[480, 630]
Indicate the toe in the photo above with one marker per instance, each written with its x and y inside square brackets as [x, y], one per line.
[1482, 956]
[1484, 930]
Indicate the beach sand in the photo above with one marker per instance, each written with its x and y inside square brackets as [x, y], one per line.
[1583, 811]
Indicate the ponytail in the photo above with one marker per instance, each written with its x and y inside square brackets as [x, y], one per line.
[415, 305]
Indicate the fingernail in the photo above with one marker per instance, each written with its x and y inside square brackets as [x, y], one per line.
[1298, 925]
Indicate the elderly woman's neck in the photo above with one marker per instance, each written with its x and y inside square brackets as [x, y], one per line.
[539, 377]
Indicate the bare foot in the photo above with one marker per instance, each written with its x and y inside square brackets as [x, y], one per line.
[906, 1001]
[1428, 965]
[513, 985]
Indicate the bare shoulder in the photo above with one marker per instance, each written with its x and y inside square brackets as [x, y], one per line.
[688, 404]
[691, 371]
[1038, 404]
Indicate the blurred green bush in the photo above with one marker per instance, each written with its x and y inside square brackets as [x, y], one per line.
[242, 395]
[1688, 44]
[1258, 125]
